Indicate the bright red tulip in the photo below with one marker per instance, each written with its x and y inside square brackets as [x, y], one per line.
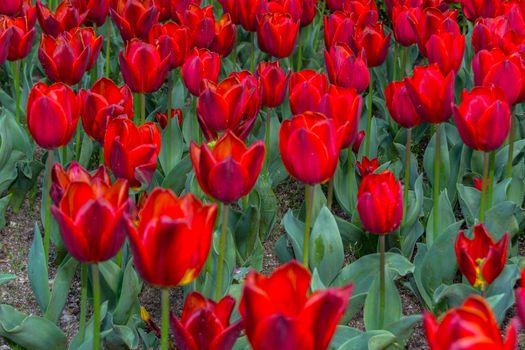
[432, 93]
[274, 83]
[205, 324]
[309, 12]
[447, 50]
[172, 40]
[231, 7]
[338, 28]
[173, 238]
[5, 42]
[249, 10]
[380, 203]
[478, 183]
[277, 33]
[93, 219]
[346, 69]
[488, 33]
[469, 326]
[367, 166]
[98, 11]
[130, 151]
[52, 114]
[228, 170]
[474, 9]
[10, 7]
[143, 67]
[22, 37]
[402, 18]
[335, 5]
[309, 147]
[225, 36]
[134, 18]
[481, 260]
[67, 16]
[520, 300]
[483, 118]
[278, 313]
[162, 118]
[201, 64]
[372, 39]
[88, 36]
[201, 23]
[307, 87]
[432, 21]
[400, 105]
[100, 104]
[358, 141]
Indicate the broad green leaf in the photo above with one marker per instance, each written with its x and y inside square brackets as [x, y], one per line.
[469, 199]
[3, 207]
[295, 232]
[176, 179]
[502, 218]
[128, 301]
[6, 278]
[172, 148]
[429, 157]
[61, 285]
[392, 305]
[37, 271]
[446, 216]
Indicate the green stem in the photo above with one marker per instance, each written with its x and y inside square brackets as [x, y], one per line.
[396, 48]
[492, 163]
[351, 171]
[78, 142]
[408, 155]
[142, 108]
[96, 307]
[234, 57]
[64, 155]
[484, 187]
[195, 122]
[222, 248]
[309, 198]
[47, 214]
[403, 62]
[83, 300]
[108, 47]
[299, 53]
[369, 118]
[512, 137]
[330, 194]
[252, 53]
[165, 307]
[437, 166]
[381, 281]
[316, 35]
[267, 140]
[16, 75]
[168, 134]
[101, 155]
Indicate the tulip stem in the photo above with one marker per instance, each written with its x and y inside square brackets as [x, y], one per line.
[299, 53]
[492, 163]
[396, 54]
[96, 307]
[252, 53]
[484, 187]
[316, 35]
[64, 155]
[369, 118]
[47, 214]
[108, 47]
[381, 281]
[222, 248]
[234, 52]
[403, 62]
[512, 136]
[330, 194]
[437, 166]
[101, 155]
[168, 134]
[83, 300]
[16, 75]
[267, 140]
[78, 142]
[165, 307]
[142, 108]
[195, 122]
[408, 155]
[309, 198]
[350, 173]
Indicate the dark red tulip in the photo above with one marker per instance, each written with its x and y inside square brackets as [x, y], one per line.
[359, 7]
[227, 171]
[474, 9]
[278, 313]
[469, 326]
[205, 324]
[338, 28]
[10, 7]
[346, 69]
[367, 166]
[162, 118]
[172, 40]
[249, 10]
[201, 64]
[432, 93]
[143, 67]
[134, 18]
[173, 238]
[5, 41]
[520, 300]
[488, 33]
[52, 114]
[483, 118]
[277, 33]
[274, 83]
[225, 36]
[372, 39]
[478, 183]
[309, 147]
[335, 5]
[380, 203]
[309, 12]
[400, 105]
[98, 11]
[67, 16]
[447, 50]
[130, 151]
[100, 104]
[307, 87]
[201, 23]
[93, 219]
[293, 7]
[404, 31]
[178, 7]
[358, 141]
[432, 21]
[22, 37]
[231, 7]
[88, 36]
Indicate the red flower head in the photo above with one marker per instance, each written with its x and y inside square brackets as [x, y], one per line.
[178, 7]
[488, 33]
[309, 12]
[432, 93]
[162, 118]
[172, 40]
[274, 83]
[483, 118]
[481, 259]
[201, 23]
[67, 16]
[205, 324]
[142, 66]
[478, 183]
[173, 238]
[520, 300]
[201, 64]
[225, 36]
[232, 104]
[372, 39]
[432, 21]
[5, 42]
[93, 219]
[278, 313]
[293, 7]
[358, 141]
[309, 147]
[98, 11]
[338, 28]
[52, 114]
[130, 151]
[23, 34]
[402, 18]
[10, 7]
[474, 9]
[346, 69]
[400, 105]
[367, 166]
[134, 18]
[469, 326]
[231, 7]
[446, 49]
[307, 87]
[380, 203]
[100, 104]
[335, 5]
[249, 10]
[228, 169]
[277, 33]
[88, 37]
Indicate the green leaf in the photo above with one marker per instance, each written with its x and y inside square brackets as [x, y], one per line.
[469, 199]
[409, 237]
[415, 201]
[403, 328]
[372, 340]
[342, 334]
[504, 286]
[295, 232]
[446, 216]
[3, 207]
[428, 159]
[6, 277]
[60, 291]
[176, 145]
[37, 271]
[86, 151]
[501, 218]
[455, 294]
[177, 177]
[392, 308]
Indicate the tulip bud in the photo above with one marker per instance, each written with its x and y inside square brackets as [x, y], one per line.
[307, 87]
[274, 83]
[277, 33]
[447, 50]
[135, 18]
[23, 34]
[346, 69]
[173, 40]
[372, 39]
[358, 141]
[402, 19]
[201, 64]
[162, 118]
[225, 36]
[400, 105]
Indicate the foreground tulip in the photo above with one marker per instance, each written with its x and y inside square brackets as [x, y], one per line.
[520, 300]
[199, 65]
[469, 326]
[135, 18]
[278, 314]
[274, 83]
[346, 69]
[277, 33]
[22, 39]
[200, 314]
[67, 16]
[307, 87]
[172, 40]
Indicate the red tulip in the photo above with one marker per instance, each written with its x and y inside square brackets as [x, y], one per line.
[98, 11]
[225, 36]
[173, 238]
[358, 141]
[228, 170]
[205, 325]
[520, 300]
[5, 42]
[274, 83]
[130, 151]
[172, 40]
[52, 114]
[335, 5]
[432, 93]
[478, 183]
[483, 118]
[338, 28]
[447, 50]
[367, 166]
[134, 18]
[481, 259]
[88, 36]
[380, 203]
[178, 7]
[10, 7]
[488, 33]
[93, 219]
[469, 326]
[162, 118]
[100, 104]
[400, 105]
[143, 67]
[307, 87]
[249, 10]
[402, 18]
[231, 7]
[23, 34]
[474, 9]
[278, 314]
[277, 33]
[432, 21]
[201, 23]
[201, 64]
[67, 16]
[346, 69]
[372, 39]
[309, 12]
[309, 147]
[293, 7]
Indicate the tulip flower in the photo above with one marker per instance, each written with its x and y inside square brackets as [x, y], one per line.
[172, 40]
[134, 18]
[278, 314]
[481, 260]
[335, 5]
[274, 83]
[469, 326]
[520, 300]
[5, 42]
[277, 33]
[231, 7]
[52, 114]
[200, 314]
[67, 16]
[293, 7]
[338, 28]
[98, 11]
[162, 118]
[249, 11]
[100, 104]
[88, 37]
[358, 141]
[309, 12]
[432, 21]
[372, 39]
[307, 87]
[367, 166]
[400, 105]
[10, 7]
[488, 33]
[447, 50]
[201, 64]
[346, 69]
[178, 7]
[225, 36]
[402, 19]
[474, 9]
[23, 34]
[130, 151]
[201, 23]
